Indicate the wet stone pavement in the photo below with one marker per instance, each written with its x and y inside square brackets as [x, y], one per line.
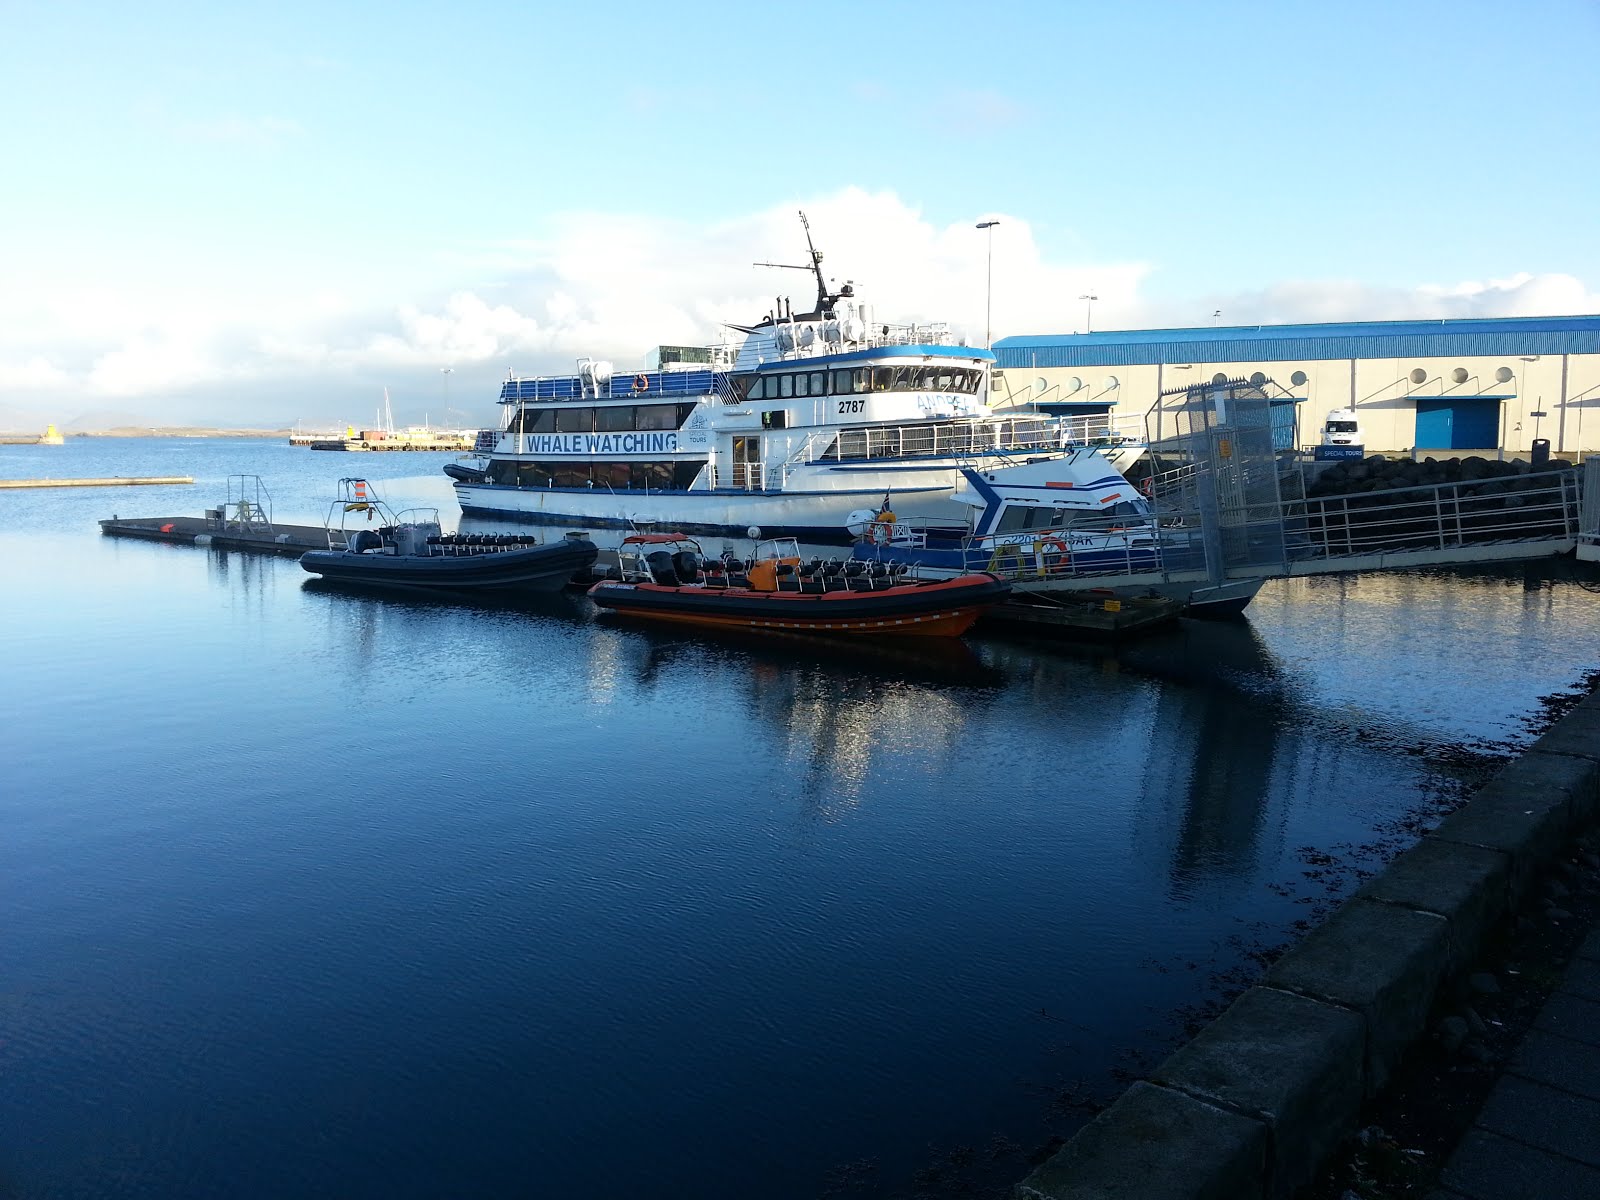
[1538, 1134]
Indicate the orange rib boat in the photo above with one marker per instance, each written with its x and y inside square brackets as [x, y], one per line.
[665, 577]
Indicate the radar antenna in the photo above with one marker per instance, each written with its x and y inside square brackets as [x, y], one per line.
[824, 297]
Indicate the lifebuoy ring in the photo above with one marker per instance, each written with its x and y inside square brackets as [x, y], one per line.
[641, 383]
[1052, 546]
[1148, 485]
[880, 532]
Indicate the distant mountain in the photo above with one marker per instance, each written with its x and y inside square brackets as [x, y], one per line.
[106, 418]
[17, 418]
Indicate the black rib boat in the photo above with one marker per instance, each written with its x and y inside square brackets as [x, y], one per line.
[409, 550]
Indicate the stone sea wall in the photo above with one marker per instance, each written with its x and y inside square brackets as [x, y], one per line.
[1252, 1106]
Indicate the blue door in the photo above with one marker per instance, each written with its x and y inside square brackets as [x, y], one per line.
[1458, 424]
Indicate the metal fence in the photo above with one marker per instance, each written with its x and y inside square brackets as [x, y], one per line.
[1526, 516]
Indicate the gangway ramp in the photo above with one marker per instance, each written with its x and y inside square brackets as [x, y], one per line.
[1227, 507]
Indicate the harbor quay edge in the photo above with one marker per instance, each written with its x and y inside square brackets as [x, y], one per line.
[1257, 1100]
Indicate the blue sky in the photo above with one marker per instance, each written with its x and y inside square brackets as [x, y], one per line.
[221, 213]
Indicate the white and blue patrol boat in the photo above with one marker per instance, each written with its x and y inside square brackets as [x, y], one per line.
[806, 418]
[1070, 521]
[1068, 514]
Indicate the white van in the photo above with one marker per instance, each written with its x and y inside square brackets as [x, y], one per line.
[1341, 428]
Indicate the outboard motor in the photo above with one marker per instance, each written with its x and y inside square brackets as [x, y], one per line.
[363, 540]
[687, 563]
[661, 568]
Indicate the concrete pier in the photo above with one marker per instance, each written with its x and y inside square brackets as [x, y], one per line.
[117, 482]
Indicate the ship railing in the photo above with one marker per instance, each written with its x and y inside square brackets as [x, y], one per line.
[1087, 545]
[722, 385]
[878, 337]
[960, 440]
[1093, 429]
[741, 476]
[642, 385]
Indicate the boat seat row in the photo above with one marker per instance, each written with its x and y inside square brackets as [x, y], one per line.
[478, 543]
[818, 576]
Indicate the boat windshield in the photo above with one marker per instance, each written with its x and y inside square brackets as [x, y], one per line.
[784, 547]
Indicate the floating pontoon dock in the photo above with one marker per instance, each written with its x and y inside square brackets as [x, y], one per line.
[242, 522]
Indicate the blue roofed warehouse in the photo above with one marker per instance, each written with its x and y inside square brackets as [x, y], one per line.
[1448, 385]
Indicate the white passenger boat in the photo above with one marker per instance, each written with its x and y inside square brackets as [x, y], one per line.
[1070, 521]
[807, 418]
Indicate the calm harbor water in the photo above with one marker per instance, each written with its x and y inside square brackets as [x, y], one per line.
[320, 892]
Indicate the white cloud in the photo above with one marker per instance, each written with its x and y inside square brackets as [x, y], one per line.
[35, 375]
[1297, 301]
[614, 286]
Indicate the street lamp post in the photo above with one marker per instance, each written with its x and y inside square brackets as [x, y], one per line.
[1214, 317]
[1522, 399]
[988, 285]
[1088, 311]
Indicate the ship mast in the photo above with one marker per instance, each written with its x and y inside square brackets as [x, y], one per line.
[824, 297]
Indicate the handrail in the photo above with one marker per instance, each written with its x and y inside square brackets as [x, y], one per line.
[1437, 519]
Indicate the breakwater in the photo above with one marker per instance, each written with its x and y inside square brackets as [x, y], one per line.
[1254, 1104]
[1480, 476]
[112, 482]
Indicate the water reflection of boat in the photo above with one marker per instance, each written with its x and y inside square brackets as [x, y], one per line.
[893, 661]
[408, 549]
[666, 577]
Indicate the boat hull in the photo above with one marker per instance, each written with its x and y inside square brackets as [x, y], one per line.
[534, 569]
[817, 517]
[942, 608]
[1102, 554]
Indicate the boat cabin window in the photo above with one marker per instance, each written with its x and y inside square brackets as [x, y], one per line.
[661, 416]
[775, 418]
[612, 418]
[1124, 508]
[534, 420]
[1018, 517]
[859, 380]
[618, 476]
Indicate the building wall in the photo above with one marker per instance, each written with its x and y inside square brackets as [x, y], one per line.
[1383, 391]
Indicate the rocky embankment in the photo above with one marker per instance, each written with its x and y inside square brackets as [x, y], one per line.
[1394, 503]
[1485, 476]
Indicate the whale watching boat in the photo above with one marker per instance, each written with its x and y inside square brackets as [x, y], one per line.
[666, 577]
[810, 415]
[408, 549]
[1051, 521]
